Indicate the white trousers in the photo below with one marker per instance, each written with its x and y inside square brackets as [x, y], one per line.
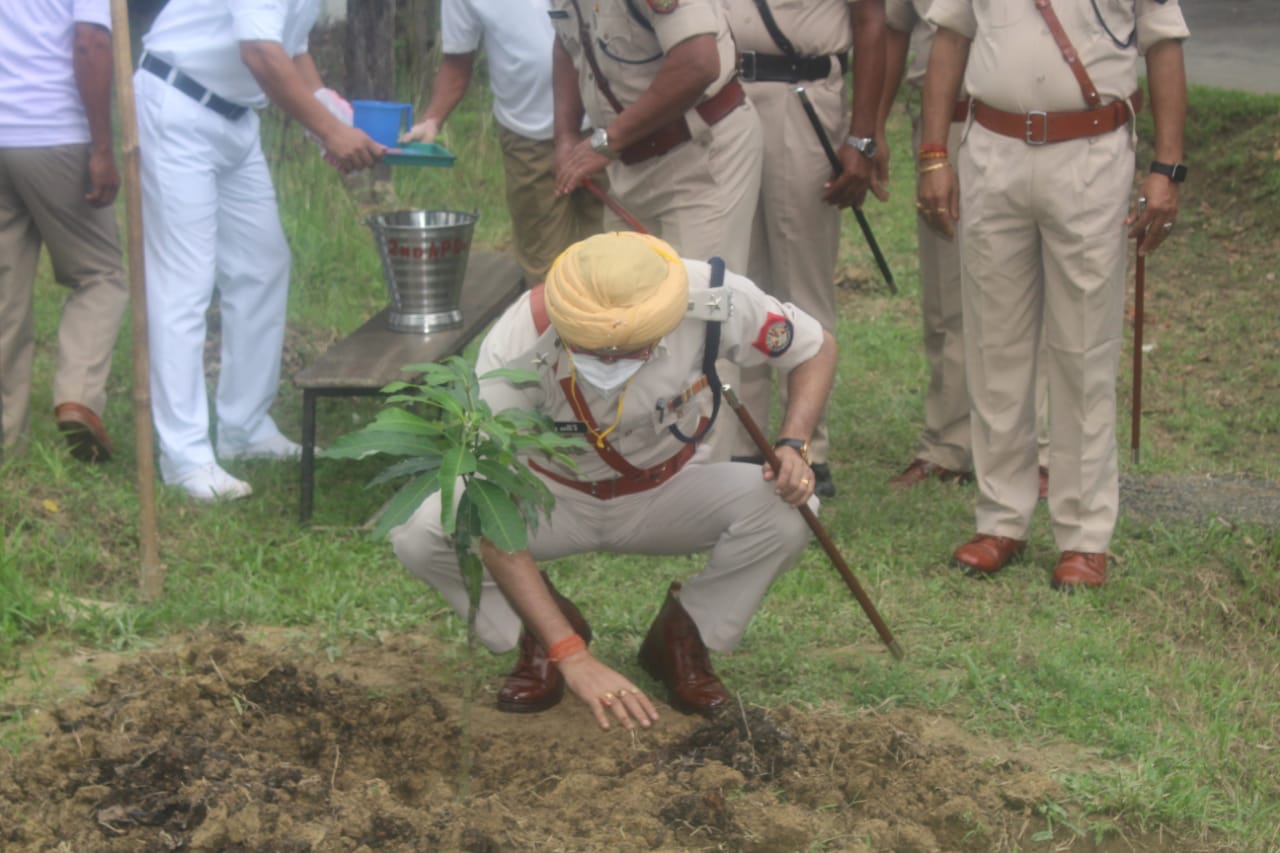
[211, 225]
[725, 508]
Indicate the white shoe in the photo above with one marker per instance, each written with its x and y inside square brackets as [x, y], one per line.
[276, 447]
[211, 483]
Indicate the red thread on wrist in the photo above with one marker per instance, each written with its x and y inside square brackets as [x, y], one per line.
[928, 147]
[567, 647]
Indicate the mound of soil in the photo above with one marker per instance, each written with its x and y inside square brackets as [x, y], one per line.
[222, 744]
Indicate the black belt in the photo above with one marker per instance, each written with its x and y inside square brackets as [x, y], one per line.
[770, 68]
[191, 88]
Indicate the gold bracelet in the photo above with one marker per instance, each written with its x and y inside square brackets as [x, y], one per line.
[933, 168]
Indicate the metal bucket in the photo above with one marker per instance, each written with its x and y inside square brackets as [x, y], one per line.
[424, 260]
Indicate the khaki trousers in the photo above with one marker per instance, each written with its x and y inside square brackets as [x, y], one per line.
[701, 196]
[795, 236]
[42, 202]
[724, 508]
[945, 438]
[1043, 250]
[542, 223]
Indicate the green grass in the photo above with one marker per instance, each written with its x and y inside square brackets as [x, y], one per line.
[1164, 681]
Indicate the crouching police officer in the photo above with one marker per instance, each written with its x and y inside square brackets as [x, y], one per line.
[624, 341]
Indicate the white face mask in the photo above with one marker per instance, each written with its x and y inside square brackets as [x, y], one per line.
[605, 377]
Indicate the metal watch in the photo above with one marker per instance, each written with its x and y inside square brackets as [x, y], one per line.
[1176, 172]
[600, 143]
[866, 145]
[795, 444]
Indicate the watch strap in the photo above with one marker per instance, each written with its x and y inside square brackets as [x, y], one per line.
[795, 444]
[1176, 172]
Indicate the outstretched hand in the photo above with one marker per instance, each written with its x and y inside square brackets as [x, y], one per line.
[607, 692]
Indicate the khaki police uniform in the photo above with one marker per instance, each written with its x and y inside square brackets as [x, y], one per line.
[725, 508]
[945, 438]
[1043, 250]
[795, 235]
[699, 196]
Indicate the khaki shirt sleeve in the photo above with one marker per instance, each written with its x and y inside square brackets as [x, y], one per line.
[509, 344]
[1158, 21]
[954, 15]
[763, 330]
[688, 19]
[899, 15]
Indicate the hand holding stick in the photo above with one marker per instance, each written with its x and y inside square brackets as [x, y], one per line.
[838, 168]
[819, 531]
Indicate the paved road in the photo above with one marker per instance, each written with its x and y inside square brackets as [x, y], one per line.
[1234, 44]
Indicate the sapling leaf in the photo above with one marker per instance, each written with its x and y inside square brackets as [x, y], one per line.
[403, 504]
[500, 520]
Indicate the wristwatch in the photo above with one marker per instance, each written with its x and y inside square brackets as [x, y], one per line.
[865, 144]
[794, 444]
[600, 143]
[1176, 172]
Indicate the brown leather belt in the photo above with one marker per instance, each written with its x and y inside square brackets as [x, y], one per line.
[674, 133]
[961, 111]
[617, 487]
[1039, 128]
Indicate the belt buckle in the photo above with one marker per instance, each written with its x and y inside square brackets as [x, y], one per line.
[1028, 137]
[747, 65]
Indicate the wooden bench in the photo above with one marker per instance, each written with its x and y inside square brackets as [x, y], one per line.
[362, 363]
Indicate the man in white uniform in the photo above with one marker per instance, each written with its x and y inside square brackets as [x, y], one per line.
[618, 340]
[58, 180]
[517, 38]
[1045, 171]
[212, 222]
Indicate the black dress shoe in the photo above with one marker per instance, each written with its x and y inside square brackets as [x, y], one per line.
[823, 487]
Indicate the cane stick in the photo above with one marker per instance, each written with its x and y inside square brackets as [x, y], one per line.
[838, 168]
[612, 203]
[151, 569]
[819, 531]
[1139, 287]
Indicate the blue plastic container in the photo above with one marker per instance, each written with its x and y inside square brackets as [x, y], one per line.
[384, 121]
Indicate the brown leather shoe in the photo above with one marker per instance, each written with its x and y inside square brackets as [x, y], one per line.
[535, 684]
[1044, 482]
[920, 470]
[673, 653]
[1078, 568]
[86, 436]
[985, 555]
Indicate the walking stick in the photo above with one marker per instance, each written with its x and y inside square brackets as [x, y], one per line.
[152, 571]
[838, 168]
[1139, 286]
[819, 531]
[612, 203]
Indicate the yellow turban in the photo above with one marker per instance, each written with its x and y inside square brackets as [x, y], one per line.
[619, 291]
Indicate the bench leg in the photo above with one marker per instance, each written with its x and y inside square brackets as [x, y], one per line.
[308, 476]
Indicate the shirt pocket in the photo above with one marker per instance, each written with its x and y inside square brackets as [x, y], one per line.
[622, 39]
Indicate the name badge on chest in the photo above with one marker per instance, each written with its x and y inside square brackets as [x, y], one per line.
[571, 428]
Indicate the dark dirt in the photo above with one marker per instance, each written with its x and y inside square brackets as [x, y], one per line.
[218, 743]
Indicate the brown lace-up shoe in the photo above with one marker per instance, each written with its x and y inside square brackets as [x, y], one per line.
[920, 470]
[673, 653]
[535, 684]
[1077, 568]
[85, 434]
[985, 555]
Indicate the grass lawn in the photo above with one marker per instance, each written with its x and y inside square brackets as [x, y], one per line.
[1164, 681]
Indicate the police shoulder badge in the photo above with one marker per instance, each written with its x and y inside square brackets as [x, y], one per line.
[775, 335]
[663, 7]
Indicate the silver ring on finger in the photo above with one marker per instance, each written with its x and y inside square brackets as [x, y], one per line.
[1168, 226]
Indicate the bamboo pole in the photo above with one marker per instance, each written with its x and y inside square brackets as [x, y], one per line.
[151, 575]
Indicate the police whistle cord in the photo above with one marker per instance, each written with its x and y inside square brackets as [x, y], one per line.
[612, 203]
[819, 531]
[1139, 286]
[837, 168]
